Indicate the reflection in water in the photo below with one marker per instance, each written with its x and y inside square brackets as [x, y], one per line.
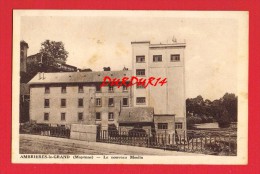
[207, 125]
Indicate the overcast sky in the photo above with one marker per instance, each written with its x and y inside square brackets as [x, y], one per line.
[98, 40]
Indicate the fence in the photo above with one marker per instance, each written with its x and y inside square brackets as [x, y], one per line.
[46, 130]
[215, 143]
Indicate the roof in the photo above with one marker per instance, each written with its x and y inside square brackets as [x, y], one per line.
[167, 45]
[140, 42]
[136, 114]
[77, 77]
[174, 44]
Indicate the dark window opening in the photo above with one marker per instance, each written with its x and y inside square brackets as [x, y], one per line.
[125, 101]
[140, 72]
[98, 116]
[80, 102]
[46, 103]
[47, 89]
[46, 116]
[80, 116]
[111, 102]
[162, 125]
[140, 100]
[111, 116]
[63, 89]
[175, 57]
[140, 59]
[63, 103]
[178, 125]
[63, 116]
[81, 89]
[157, 58]
[98, 102]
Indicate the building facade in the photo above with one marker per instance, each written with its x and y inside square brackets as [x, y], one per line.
[168, 101]
[76, 97]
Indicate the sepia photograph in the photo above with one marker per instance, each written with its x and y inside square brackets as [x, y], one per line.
[130, 87]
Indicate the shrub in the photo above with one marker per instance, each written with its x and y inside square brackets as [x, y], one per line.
[137, 132]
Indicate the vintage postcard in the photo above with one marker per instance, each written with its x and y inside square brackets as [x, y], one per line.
[130, 87]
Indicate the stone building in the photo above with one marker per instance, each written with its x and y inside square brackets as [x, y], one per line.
[168, 101]
[76, 97]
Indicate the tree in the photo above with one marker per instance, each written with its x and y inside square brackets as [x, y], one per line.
[224, 120]
[223, 110]
[230, 103]
[52, 51]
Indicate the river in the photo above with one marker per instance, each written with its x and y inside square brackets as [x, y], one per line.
[207, 125]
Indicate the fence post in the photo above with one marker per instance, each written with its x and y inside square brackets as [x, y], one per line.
[192, 143]
[184, 141]
[165, 141]
[196, 143]
[205, 140]
[119, 135]
[148, 138]
[188, 142]
[201, 143]
[229, 144]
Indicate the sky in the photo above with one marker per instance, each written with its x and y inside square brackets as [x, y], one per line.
[97, 40]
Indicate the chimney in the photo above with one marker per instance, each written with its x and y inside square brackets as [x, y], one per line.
[40, 76]
[106, 69]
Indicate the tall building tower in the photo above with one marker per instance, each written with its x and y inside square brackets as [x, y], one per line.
[161, 61]
[23, 55]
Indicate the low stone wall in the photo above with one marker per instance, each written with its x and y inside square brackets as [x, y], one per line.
[84, 132]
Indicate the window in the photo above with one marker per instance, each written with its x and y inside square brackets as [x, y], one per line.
[178, 125]
[47, 90]
[80, 102]
[157, 58]
[63, 89]
[140, 100]
[162, 125]
[63, 102]
[98, 88]
[140, 72]
[80, 116]
[140, 59]
[175, 57]
[81, 89]
[98, 102]
[110, 89]
[98, 116]
[46, 103]
[63, 116]
[125, 101]
[110, 116]
[139, 87]
[125, 89]
[46, 116]
[111, 102]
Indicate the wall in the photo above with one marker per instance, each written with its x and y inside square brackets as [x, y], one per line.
[37, 109]
[118, 96]
[169, 98]
[140, 49]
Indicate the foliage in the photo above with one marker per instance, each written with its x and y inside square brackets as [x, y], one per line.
[112, 130]
[137, 131]
[52, 52]
[223, 110]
